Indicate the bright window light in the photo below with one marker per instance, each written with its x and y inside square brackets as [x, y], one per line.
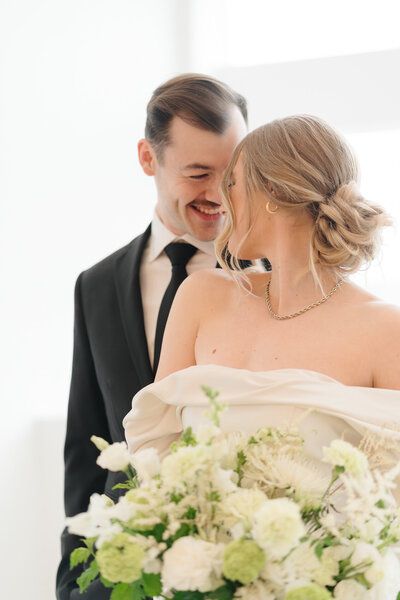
[260, 32]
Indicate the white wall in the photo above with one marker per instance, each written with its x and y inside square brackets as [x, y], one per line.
[75, 77]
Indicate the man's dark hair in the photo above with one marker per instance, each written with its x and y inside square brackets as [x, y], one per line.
[199, 100]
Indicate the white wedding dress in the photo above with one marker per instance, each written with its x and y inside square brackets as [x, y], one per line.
[323, 408]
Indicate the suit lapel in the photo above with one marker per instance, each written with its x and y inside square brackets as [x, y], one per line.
[127, 279]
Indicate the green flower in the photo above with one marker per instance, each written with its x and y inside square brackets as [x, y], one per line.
[308, 592]
[120, 560]
[243, 561]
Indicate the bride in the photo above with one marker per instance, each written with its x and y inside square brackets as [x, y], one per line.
[277, 344]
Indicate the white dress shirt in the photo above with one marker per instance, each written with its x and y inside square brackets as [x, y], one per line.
[155, 272]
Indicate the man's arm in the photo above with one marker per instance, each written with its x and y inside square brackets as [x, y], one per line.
[86, 416]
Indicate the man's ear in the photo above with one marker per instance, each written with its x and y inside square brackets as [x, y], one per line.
[147, 157]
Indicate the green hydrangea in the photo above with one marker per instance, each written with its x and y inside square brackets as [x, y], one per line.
[243, 561]
[120, 560]
[308, 592]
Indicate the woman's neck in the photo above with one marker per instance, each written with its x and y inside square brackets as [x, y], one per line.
[293, 285]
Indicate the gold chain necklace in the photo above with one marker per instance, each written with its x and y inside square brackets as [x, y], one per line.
[303, 310]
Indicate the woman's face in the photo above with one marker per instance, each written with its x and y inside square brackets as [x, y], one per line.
[247, 215]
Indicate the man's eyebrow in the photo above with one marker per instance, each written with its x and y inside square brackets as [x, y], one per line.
[198, 166]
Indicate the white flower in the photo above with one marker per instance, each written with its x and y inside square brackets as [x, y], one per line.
[81, 524]
[369, 531]
[150, 562]
[146, 464]
[207, 432]
[370, 560]
[115, 457]
[278, 526]
[389, 587]
[192, 564]
[343, 454]
[242, 505]
[222, 481]
[90, 523]
[123, 510]
[363, 554]
[107, 533]
[181, 469]
[99, 442]
[301, 477]
[348, 589]
[328, 568]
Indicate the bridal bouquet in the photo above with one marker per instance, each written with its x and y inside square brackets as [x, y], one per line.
[242, 517]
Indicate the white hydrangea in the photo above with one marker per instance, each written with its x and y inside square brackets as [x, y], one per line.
[343, 454]
[192, 564]
[277, 526]
[146, 464]
[114, 457]
[348, 589]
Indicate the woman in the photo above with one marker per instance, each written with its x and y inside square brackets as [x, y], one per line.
[299, 337]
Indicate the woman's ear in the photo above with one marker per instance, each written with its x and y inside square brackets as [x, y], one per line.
[147, 157]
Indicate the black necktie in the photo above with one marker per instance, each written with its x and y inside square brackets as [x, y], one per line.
[179, 254]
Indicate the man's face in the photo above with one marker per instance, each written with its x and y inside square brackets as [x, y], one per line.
[189, 175]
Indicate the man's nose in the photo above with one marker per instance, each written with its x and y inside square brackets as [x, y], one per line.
[213, 192]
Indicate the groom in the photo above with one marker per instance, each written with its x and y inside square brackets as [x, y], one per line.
[193, 124]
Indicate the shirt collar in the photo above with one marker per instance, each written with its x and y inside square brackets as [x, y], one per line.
[161, 237]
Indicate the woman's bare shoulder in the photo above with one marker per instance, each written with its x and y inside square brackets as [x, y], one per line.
[207, 282]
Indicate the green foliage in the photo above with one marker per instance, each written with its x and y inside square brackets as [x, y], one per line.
[224, 592]
[128, 591]
[89, 543]
[338, 470]
[176, 497]
[241, 461]
[213, 496]
[190, 513]
[106, 583]
[321, 544]
[79, 555]
[189, 596]
[361, 579]
[152, 584]
[86, 578]
[184, 529]
[123, 486]
[217, 408]
[187, 439]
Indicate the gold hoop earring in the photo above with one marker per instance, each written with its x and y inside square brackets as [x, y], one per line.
[268, 209]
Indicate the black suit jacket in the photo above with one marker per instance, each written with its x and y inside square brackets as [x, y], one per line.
[110, 364]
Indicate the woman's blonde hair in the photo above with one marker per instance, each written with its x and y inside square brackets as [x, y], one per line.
[310, 166]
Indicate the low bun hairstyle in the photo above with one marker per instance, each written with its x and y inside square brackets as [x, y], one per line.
[310, 166]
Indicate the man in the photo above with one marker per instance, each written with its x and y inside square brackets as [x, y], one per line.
[193, 124]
